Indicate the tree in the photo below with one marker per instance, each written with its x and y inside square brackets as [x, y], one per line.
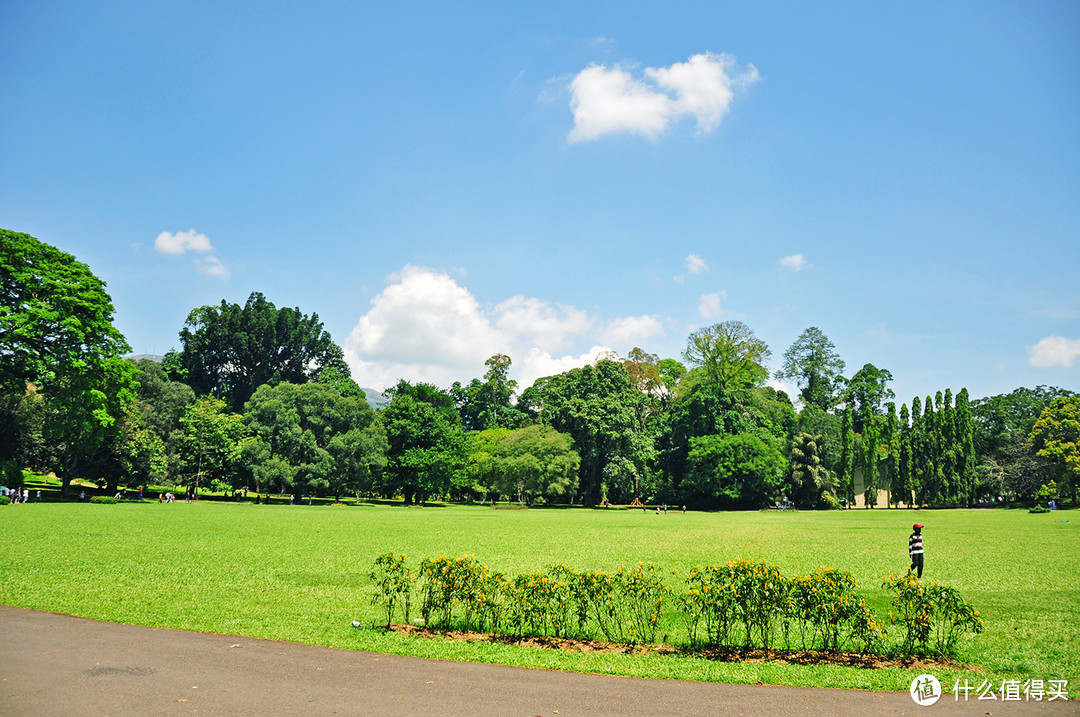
[56, 335]
[316, 439]
[814, 365]
[1005, 464]
[425, 443]
[210, 446]
[730, 354]
[809, 479]
[847, 458]
[597, 407]
[867, 392]
[230, 350]
[483, 468]
[1056, 437]
[486, 404]
[55, 315]
[739, 471]
[539, 461]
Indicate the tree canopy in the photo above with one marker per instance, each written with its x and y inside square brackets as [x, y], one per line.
[730, 354]
[230, 350]
[814, 365]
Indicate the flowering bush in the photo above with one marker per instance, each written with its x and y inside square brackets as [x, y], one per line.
[930, 613]
[741, 604]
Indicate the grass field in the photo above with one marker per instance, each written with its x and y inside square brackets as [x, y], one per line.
[299, 573]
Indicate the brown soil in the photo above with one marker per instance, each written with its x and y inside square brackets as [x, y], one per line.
[721, 654]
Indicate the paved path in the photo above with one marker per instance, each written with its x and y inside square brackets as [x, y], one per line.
[60, 665]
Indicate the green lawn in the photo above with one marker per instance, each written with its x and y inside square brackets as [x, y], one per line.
[300, 573]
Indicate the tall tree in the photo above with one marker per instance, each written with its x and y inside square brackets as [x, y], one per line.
[730, 354]
[867, 391]
[596, 405]
[813, 364]
[425, 443]
[538, 461]
[847, 457]
[210, 448]
[809, 479]
[487, 404]
[56, 334]
[330, 443]
[230, 350]
[1056, 437]
[904, 467]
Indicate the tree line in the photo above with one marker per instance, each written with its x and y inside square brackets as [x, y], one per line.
[259, 398]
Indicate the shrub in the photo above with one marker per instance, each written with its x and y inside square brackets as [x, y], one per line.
[740, 604]
[108, 499]
[930, 612]
[4, 500]
[393, 583]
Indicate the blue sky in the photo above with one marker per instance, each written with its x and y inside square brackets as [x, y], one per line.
[441, 182]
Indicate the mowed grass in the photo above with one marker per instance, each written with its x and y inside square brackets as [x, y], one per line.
[300, 573]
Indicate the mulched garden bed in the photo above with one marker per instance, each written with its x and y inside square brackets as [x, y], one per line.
[720, 654]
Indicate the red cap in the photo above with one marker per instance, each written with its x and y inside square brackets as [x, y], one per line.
[916, 527]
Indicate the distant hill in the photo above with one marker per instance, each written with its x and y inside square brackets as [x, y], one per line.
[375, 399]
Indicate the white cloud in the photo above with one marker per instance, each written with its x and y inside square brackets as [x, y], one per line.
[610, 100]
[710, 304]
[628, 332]
[696, 265]
[795, 262]
[541, 323]
[1054, 351]
[191, 240]
[182, 242]
[211, 266]
[606, 101]
[424, 326]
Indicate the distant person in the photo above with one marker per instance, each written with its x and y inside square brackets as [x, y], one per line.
[38, 497]
[915, 550]
[82, 495]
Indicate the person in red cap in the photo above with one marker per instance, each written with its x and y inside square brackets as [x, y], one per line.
[915, 549]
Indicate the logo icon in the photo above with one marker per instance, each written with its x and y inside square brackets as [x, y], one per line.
[925, 690]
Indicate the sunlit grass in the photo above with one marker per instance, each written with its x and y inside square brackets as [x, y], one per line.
[300, 573]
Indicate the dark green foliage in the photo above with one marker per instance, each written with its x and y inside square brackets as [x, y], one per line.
[866, 392]
[809, 478]
[596, 406]
[733, 471]
[230, 350]
[425, 443]
[313, 439]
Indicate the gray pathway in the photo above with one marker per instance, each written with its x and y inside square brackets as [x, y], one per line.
[60, 665]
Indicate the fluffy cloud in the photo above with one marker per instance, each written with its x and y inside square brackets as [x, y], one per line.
[795, 262]
[710, 304]
[628, 332]
[694, 265]
[182, 242]
[424, 326]
[1054, 351]
[211, 266]
[608, 100]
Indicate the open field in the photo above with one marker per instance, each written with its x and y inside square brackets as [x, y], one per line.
[299, 573]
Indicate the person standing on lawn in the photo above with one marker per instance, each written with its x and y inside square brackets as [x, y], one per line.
[915, 550]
